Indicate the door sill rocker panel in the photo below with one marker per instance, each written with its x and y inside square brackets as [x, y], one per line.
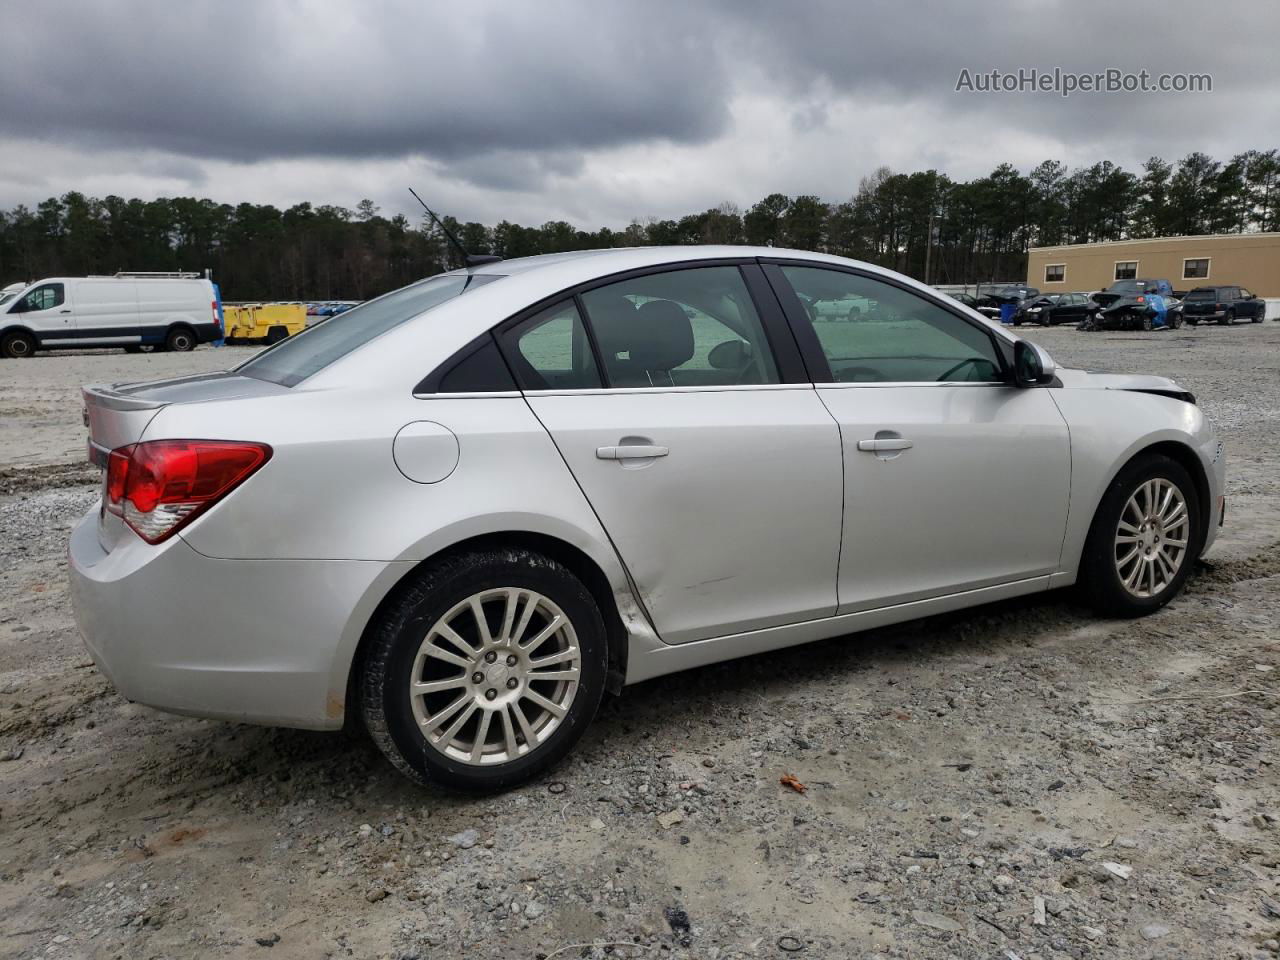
[649, 659]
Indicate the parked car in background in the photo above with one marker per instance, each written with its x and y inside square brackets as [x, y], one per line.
[1225, 304]
[334, 528]
[129, 311]
[1049, 309]
[1125, 305]
[968, 299]
[989, 303]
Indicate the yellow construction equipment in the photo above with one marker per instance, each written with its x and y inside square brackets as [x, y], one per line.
[263, 322]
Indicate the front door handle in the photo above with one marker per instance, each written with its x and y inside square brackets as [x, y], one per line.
[64, 311]
[884, 445]
[631, 451]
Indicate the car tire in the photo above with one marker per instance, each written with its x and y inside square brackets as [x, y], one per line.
[18, 345]
[180, 340]
[1175, 320]
[1260, 315]
[488, 684]
[1109, 579]
[1147, 322]
[1228, 319]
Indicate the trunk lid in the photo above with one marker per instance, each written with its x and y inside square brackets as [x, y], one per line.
[118, 414]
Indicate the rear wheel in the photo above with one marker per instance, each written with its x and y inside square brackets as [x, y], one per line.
[1228, 318]
[485, 671]
[180, 340]
[1143, 540]
[18, 345]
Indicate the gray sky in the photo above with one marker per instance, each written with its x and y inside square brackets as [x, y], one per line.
[597, 112]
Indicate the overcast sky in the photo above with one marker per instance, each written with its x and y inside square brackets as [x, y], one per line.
[597, 112]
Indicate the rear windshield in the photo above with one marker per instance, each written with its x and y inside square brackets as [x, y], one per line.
[1203, 293]
[293, 360]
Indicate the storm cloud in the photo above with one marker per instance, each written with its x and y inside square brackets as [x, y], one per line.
[596, 112]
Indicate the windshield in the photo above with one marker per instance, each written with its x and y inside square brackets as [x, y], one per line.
[293, 360]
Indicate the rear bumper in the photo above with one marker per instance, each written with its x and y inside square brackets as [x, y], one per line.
[257, 641]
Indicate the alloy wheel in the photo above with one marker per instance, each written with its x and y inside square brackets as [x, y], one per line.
[1151, 538]
[495, 676]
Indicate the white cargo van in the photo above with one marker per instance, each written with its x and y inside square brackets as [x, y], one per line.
[168, 312]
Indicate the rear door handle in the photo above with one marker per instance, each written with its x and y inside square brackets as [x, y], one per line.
[882, 446]
[631, 451]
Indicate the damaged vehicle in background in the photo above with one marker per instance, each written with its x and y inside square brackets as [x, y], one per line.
[1051, 309]
[1126, 305]
[461, 512]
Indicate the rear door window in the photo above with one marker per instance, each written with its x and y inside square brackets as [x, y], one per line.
[696, 327]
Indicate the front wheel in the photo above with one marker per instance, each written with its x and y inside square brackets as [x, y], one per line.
[1144, 538]
[485, 670]
[18, 345]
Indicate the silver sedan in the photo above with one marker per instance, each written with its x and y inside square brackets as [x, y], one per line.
[463, 511]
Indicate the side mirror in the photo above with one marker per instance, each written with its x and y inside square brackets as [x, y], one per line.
[1031, 365]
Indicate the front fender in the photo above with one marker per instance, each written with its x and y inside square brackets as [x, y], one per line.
[1108, 429]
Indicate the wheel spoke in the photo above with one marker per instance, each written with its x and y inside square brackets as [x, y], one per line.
[509, 614]
[509, 734]
[1124, 561]
[448, 656]
[438, 686]
[477, 748]
[1131, 581]
[1125, 538]
[550, 706]
[530, 738]
[482, 623]
[433, 722]
[555, 675]
[1167, 565]
[556, 622]
[560, 656]
[1126, 526]
[530, 607]
[454, 637]
[1177, 517]
[1175, 544]
[458, 722]
[1151, 576]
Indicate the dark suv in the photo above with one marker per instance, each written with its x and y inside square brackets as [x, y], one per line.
[1225, 304]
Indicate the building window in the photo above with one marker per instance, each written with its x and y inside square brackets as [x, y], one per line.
[1126, 269]
[1055, 272]
[1195, 269]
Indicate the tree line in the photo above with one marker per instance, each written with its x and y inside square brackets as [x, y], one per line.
[924, 224]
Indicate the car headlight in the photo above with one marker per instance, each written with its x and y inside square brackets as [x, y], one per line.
[1033, 309]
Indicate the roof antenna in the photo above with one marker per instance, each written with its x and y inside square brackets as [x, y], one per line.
[468, 259]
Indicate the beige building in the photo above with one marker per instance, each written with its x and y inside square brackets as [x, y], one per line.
[1250, 260]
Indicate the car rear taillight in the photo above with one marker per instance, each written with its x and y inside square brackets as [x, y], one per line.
[213, 305]
[160, 485]
[1142, 299]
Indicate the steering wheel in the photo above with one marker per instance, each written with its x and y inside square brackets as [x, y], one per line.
[961, 365]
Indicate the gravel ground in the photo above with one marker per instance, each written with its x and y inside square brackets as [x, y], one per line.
[1017, 781]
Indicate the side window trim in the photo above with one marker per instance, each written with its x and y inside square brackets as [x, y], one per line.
[811, 348]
